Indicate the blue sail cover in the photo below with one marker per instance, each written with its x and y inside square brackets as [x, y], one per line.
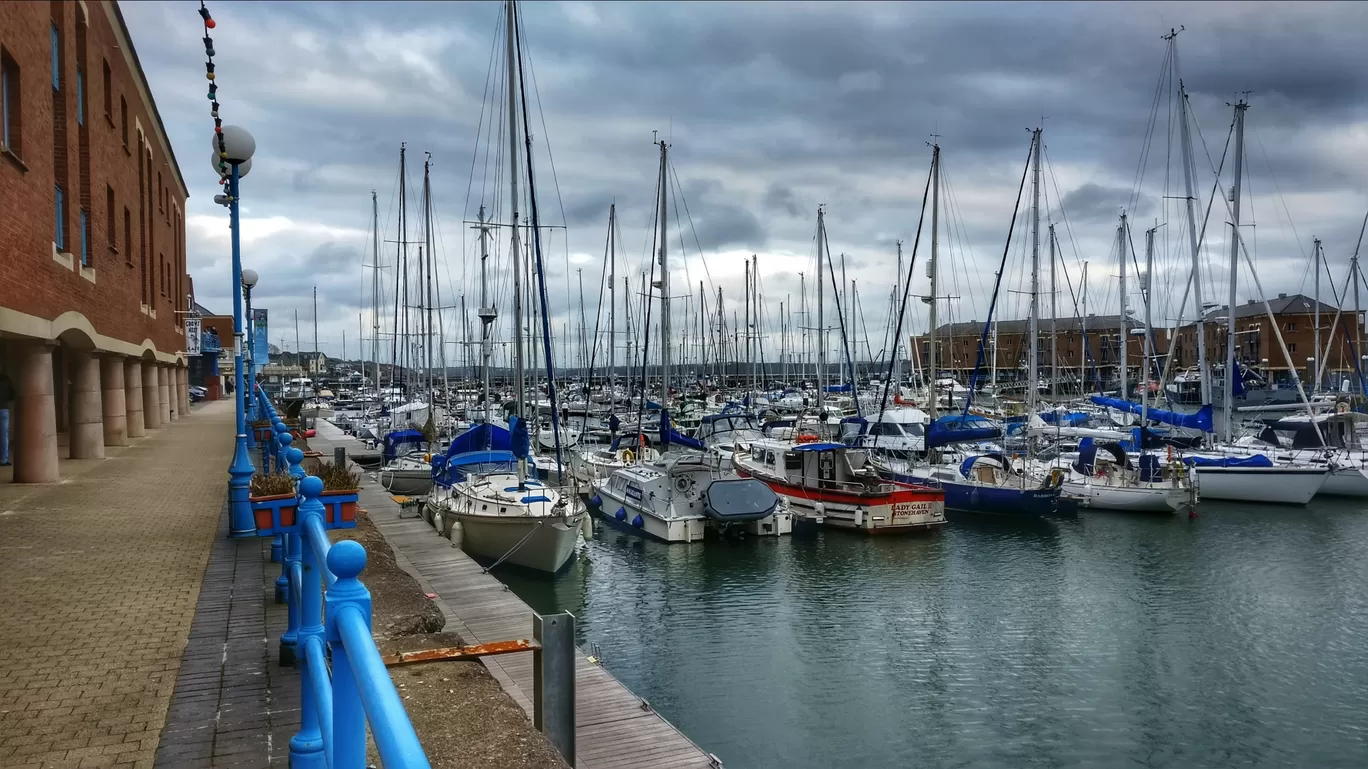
[1257, 460]
[453, 469]
[1237, 387]
[670, 435]
[961, 428]
[1199, 421]
[520, 445]
[840, 388]
[481, 437]
[397, 438]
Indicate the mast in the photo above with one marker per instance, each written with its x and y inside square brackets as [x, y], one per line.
[897, 293]
[1228, 385]
[1121, 323]
[1083, 354]
[515, 249]
[427, 269]
[933, 272]
[1316, 362]
[1189, 178]
[375, 288]
[747, 316]
[487, 313]
[845, 319]
[403, 306]
[1034, 370]
[315, 321]
[821, 331]
[1054, 324]
[583, 343]
[612, 298]
[1146, 285]
[664, 280]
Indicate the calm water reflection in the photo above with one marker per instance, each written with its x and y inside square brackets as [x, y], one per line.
[1238, 639]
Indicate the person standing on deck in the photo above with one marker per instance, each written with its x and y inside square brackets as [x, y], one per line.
[6, 397]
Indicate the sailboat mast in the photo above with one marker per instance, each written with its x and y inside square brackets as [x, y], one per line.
[747, 325]
[375, 288]
[897, 292]
[427, 269]
[1228, 385]
[1149, 319]
[1083, 355]
[664, 279]
[515, 250]
[1054, 323]
[1316, 362]
[821, 331]
[487, 312]
[1123, 327]
[1189, 178]
[612, 297]
[933, 272]
[1034, 367]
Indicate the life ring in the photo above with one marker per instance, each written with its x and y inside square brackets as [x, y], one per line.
[1055, 479]
[628, 457]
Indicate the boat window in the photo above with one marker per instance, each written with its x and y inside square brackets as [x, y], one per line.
[884, 428]
[793, 460]
[914, 429]
[769, 458]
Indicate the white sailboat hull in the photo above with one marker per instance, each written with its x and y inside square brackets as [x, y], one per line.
[672, 529]
[1346, 481]
[543, 543]
[1134, 499]
[1271, 485]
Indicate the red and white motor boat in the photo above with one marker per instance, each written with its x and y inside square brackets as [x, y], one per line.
[835, 485]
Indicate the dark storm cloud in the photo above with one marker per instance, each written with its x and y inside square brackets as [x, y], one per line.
[772, 109]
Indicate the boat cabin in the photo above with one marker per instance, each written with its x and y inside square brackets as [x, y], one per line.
[813, 464]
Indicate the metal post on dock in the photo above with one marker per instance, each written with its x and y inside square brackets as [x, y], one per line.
[553, 681]
[340, 456]
[307, 745]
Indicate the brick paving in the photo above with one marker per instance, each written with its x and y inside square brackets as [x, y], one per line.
[102, 574]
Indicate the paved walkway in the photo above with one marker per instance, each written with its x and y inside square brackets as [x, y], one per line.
[101, 576]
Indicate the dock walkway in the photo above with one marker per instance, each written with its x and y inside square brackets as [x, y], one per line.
[614, 729]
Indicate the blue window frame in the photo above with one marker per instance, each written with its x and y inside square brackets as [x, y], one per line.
[60, 238]
[85, 239]
[80, 97]
[56, 60]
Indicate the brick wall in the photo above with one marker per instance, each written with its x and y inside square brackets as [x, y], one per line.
[127, 293]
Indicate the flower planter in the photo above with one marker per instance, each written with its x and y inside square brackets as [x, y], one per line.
[340, 508]
[263, 433]
[274, 514]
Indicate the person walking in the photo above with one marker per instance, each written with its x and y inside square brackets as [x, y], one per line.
[6, 397]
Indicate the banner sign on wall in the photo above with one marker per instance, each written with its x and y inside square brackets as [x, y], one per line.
[192, 336]
[261, 346]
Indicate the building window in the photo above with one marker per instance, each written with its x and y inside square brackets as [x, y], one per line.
[108, 92]
[80, 97]
[112, 231]
[128, 237]
[85, 239]
[123, 120]
[161, 199]
[59, 236]
[1290, 327]
[56, 60]
[9, 103]
[1292, 347]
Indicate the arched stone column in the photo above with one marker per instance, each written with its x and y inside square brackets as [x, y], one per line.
[34, 448]
[85, 425]
[151, 388]
[133, 398]
[113, 401]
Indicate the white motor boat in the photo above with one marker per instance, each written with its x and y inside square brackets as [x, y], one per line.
[679, 498]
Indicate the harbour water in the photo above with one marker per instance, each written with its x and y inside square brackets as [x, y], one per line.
[1236, 639]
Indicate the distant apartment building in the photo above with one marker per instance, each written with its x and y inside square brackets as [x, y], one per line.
[92, 238]
[1256, 342]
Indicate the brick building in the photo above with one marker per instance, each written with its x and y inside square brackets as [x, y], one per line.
[957, 347]
[1257, 346]
[92, 238]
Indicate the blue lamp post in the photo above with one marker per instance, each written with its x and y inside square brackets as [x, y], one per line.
[249, 279]
[237, 146]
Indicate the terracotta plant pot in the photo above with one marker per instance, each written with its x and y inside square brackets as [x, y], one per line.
[341, 508]
[313, 462]
[274, 513]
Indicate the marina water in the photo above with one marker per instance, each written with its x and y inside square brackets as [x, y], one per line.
[1236, 639]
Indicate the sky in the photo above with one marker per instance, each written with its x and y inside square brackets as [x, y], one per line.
[770, 110]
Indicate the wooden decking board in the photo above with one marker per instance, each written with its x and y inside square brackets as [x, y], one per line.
[612, 729]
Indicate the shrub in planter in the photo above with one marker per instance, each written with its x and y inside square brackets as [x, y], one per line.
[340, 493]
[274, 502]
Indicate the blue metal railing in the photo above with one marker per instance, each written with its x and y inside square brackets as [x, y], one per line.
[342, 699]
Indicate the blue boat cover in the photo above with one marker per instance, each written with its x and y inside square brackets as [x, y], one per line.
[1198, 421]
[1237, 387]
[670, 435]
[447, 470]
[1257, 460]
[840, 388]
[1070, 419]
[968, 464]
[818, 446]
[960, 428]
[397, 438]
[519, 443]
[1150, 470]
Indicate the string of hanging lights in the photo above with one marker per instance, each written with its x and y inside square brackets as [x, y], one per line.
[222, 149]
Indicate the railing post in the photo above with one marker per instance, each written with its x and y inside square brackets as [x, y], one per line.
[346, 559]
[553, 681]
[306, 747]
[286, 440]
[294, 554]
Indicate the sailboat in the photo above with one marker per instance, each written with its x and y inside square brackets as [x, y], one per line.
[504, 515]
[679, 498]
